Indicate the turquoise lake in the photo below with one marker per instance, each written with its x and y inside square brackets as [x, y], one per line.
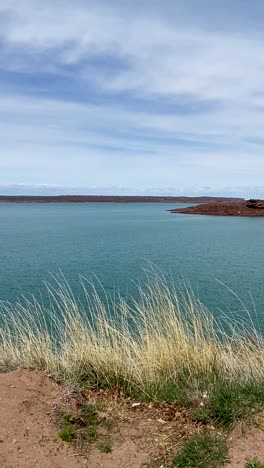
[115, 241]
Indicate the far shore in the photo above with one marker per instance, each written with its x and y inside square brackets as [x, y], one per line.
[109, 199]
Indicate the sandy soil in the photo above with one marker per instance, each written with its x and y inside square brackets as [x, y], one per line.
[246, 443]
[143, 435]
[29, 436]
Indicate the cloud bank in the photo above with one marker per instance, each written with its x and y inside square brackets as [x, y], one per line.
[141, 95]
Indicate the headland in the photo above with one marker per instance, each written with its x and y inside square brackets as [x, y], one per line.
[250, 207]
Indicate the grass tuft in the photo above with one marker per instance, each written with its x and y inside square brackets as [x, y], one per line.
[254, 463]
[67, 433]
[105, 446]
[202, 450]
[88, 414]
[92, 432]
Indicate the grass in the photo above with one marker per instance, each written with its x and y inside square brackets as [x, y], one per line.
[105, 446]
[88, 413]
[67, 433]
[163, 347]
[84, 426]
[254, 463]
[92, 433]
[230, 402]
[202, 450]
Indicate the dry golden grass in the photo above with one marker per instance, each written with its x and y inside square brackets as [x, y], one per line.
[163, 346]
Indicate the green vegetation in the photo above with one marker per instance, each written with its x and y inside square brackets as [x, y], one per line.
[88, 414]
[202, 450]
[254, 463]
[86, 426]
[230, 402]
[105, 446]
[163, 347]
[67, 433]
[92, 433]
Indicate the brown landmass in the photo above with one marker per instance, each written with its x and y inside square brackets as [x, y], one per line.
[108, 198]
[228, 208]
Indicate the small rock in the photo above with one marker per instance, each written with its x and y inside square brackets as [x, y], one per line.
[134, 405]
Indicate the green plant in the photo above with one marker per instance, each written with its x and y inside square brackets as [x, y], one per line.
[202, 415]
[91, 433]
[70, 418]
[88, 413]
[254, 463]
[202, 450]
[233, 401]
[67, 433]
[105, 446]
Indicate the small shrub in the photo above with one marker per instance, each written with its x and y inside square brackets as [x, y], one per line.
[105, 446]
[202, 450]
[254, 463]
[67, 433]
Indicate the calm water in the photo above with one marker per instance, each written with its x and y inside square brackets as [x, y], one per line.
[113, 241]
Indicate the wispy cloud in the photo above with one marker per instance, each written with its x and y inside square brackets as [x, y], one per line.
[133, 94]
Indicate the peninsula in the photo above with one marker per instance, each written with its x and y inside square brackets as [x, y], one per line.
[250, 207]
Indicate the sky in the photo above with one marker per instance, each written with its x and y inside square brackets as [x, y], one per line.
[132, 97]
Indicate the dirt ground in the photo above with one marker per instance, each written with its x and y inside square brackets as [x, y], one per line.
[142, 436]
[246, 443]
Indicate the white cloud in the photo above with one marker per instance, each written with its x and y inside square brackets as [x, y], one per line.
[165, 59]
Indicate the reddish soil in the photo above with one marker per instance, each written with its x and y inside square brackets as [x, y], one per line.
[143, 435]
[246, 444]
[241, 208]
[29, 404]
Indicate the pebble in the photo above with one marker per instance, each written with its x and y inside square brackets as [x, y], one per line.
[134, 405]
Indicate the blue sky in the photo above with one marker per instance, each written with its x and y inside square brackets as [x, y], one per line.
[123, 96]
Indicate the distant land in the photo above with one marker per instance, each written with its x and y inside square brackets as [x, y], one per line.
[109, 199]
[227, 208]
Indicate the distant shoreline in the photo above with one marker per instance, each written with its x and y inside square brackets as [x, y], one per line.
[109, 199]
